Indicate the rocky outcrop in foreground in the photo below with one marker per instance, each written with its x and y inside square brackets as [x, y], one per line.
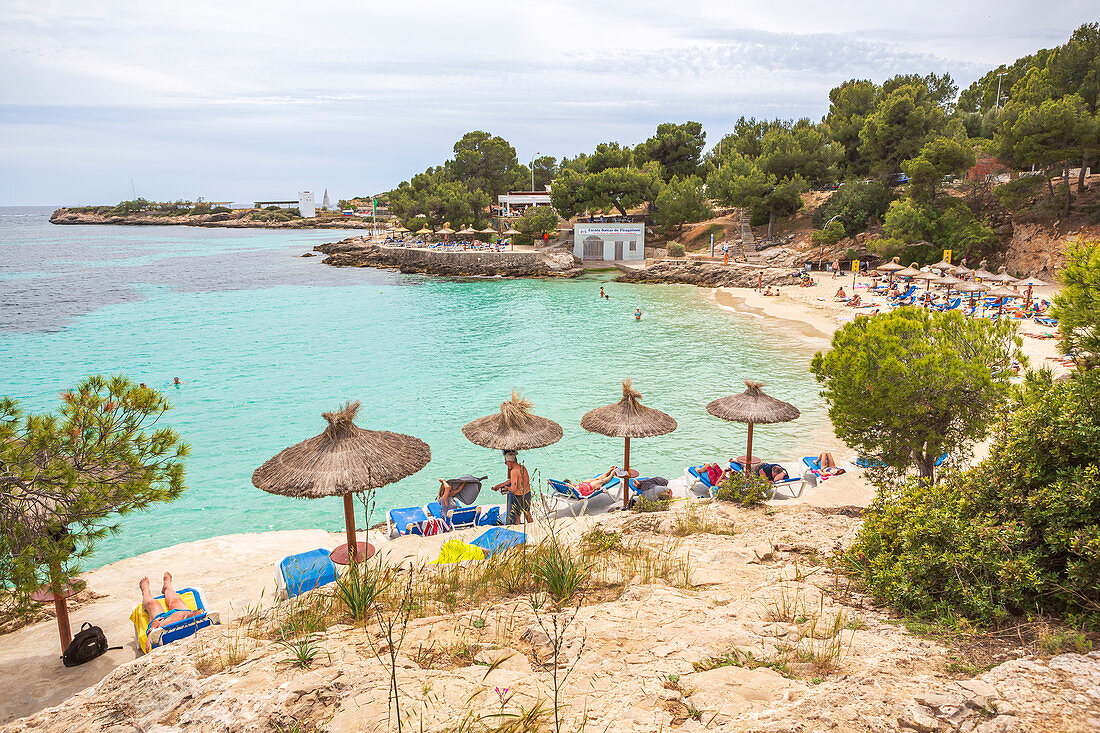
[708, 274]
[358, 252]
[759, 635]
[231, 220]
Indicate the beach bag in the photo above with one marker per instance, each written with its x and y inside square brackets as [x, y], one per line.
[89, 643]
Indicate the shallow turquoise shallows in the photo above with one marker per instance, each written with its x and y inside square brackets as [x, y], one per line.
[264, 341]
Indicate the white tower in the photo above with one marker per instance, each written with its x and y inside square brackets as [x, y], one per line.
[305, 205]
[326, 205]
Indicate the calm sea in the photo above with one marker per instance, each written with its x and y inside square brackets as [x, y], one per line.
[265, 340]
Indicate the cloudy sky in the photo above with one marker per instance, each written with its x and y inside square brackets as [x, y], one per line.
[241, 100]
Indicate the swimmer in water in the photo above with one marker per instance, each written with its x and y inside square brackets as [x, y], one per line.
[176, 381]
[638, 314]
[602, 293]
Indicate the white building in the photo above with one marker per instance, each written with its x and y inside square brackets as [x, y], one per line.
[306, 206]
[611, 241]
[514, 203]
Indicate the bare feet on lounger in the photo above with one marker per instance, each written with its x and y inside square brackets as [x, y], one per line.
[167, 586]
[144, 585]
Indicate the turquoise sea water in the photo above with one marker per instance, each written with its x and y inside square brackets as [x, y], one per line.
[265, 341]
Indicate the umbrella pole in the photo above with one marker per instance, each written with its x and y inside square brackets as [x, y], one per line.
[61, 606]
[626, 467]
[748, 454]
[349, 527]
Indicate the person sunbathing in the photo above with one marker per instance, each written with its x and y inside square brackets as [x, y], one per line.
[854, 301]
[591, 486]
[840, 294]
[772, 471]
[177, 609]
[827, 466]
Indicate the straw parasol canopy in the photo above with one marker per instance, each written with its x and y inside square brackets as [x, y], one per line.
[753, 407]
[446, 230]
[971, 287]
[510, 232]
[467, 231]
[908, 271]
[1002, 293]
[515, 427]
[891, 266]
[628, 418]
[1031, 282]
[425, 230]
[487, 230]
[1002, 277]
[400, 228]
[343, 460]
[981, 272]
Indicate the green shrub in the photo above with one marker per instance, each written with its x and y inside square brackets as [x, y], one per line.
[1015, 194]
[856, 204]
[746, 490]
[831, 234]
[642, 504]
[221, 210]
[1018, 534]
[675, 249]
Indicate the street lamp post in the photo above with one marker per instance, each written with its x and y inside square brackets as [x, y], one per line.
[537, 154]
[821, 246]
[997, 103]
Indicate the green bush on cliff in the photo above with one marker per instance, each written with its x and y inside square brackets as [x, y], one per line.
[1017, 535]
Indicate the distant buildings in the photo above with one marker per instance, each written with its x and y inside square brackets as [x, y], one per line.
[306, 207]
[514, 203]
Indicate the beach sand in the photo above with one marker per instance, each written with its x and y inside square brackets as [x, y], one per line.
[235, 571]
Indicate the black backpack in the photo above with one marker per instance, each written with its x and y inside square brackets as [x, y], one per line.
[89, 643]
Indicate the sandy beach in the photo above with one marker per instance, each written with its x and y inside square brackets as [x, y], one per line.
[236, 571]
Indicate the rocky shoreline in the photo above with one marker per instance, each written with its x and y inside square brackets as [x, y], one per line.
[230, 220]
[708, 275]
[358, 252]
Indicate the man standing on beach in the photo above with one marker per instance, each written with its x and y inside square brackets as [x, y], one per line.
[836, 268]
[518, 489]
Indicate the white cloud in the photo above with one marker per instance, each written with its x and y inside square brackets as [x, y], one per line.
[362, 94]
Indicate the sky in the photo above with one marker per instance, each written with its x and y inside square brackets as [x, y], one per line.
[239, 100]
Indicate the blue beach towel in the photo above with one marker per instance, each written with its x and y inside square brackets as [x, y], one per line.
[499, 539]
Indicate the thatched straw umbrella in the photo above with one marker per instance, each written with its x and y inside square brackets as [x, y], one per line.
[1001, 293]
[929, 277]
[510, 232]
[1031, 282]
[981, 272]
[755, 408]
[971, 287]
[891, 268]
[343, 460]
[950, 281]
[628, 418]
[514, 428]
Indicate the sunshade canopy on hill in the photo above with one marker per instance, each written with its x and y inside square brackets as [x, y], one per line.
[628, 418]
[343, 460]
[515, 427]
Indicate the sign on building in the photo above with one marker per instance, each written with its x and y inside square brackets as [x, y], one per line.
[611, 241]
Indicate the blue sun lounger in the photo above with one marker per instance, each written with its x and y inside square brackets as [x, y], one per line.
[406, 521]
[304, 572]
[570, 494]
[499, 539]
[459, 518]
[864, 462]
[149, 639]
[697, 473]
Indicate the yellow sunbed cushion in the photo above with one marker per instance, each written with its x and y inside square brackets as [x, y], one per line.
[457, 551]
[141, 619]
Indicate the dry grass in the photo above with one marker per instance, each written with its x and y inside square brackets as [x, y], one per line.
[695, 520]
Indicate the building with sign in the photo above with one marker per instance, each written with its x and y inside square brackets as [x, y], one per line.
[609, 241]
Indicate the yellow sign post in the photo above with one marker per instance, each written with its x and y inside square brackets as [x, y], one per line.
[947, 256]
[855, 271]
